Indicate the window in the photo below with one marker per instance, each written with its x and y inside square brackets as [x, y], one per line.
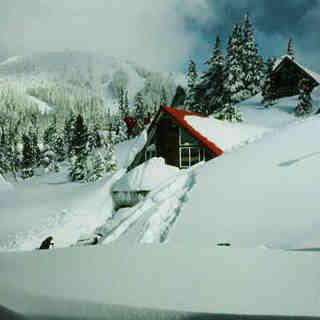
[189, 156]
[190, 151]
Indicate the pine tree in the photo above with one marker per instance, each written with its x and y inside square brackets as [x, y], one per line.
[80, 137]
[139, 115]
[163, 97]
[290, 51]
[234, 66]
[268, 88]
[78, 167]
[28, 160]
[304, 106]
[215, 94]
[68, 131]
[252, 63]
[110, 159]
[191, 93]
[98, 167]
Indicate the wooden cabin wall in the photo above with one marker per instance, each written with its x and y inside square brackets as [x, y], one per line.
[287, 78]
[167, 141]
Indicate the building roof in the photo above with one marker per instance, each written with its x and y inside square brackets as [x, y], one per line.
[179, 115]
[312, 74]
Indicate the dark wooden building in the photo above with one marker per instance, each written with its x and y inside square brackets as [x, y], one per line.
[286, 77]
[171, 137]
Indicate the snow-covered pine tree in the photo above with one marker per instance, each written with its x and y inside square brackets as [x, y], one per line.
[215, 94]
[78, 167]
[28, 160]
[110, 159]
[123, 102]
[290, 50]
[163, 97]
[252, 62]
[191, 76]
[304, 106]
[268, 88]
[139, 114]
[97, 167]
[80, 137]
[68, 130]
[234, 67]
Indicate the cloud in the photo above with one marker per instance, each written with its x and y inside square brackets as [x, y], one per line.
[161, 35]
[153, 33]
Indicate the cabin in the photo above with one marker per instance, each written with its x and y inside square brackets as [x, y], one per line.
[287, 74]
[172, 138]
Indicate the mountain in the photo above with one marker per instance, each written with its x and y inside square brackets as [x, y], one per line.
[92, 69]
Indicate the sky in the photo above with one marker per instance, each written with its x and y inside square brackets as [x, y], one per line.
[161, 35]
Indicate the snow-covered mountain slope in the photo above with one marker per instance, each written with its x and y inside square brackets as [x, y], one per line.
[98, 70]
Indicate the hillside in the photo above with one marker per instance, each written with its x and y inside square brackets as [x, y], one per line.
[94, 70]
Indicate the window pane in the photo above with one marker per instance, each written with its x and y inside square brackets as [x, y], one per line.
[184, 157]
[194, 155]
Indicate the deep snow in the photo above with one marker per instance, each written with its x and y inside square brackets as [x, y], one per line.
[261, 195]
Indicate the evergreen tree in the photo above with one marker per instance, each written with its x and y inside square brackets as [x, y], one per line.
[80, 137]
[68, 130]
[110, 159]
[216, 94]
[269, 88]
[252, 63]
[98, 167]
[290, 51]
[163, 97]
[28, 160]
[304, 106]
[234, 67]
[78, 169]
[139, 115]
[191, 93]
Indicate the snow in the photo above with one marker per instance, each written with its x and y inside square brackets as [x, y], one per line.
[95, 282]
[261, 197]
[223, 134]
[126, 151]
[4, 185]
[146, 176]
[43, 106]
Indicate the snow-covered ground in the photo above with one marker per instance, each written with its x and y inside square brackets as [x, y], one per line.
[259, 197]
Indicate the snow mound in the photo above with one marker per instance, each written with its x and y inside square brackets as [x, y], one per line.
[4, 185]
[225, 135]
[127, 150]
[146, 176]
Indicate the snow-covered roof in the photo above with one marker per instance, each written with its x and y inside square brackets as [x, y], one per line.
[312, 74]
[146, 176]
[179, 115]
[225, 134]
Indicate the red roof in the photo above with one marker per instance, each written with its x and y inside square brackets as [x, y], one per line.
[179, 115]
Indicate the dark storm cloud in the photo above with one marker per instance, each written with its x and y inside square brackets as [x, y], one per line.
[275, 21]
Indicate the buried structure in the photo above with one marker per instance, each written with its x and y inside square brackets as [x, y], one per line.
[172, 138]
[286, 77]
[138, 182]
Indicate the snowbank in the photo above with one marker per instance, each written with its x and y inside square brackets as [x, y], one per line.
[4, 185]
[146, 176]
[82, 282]
[265, 194]
[126, 151]
[223, 134]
